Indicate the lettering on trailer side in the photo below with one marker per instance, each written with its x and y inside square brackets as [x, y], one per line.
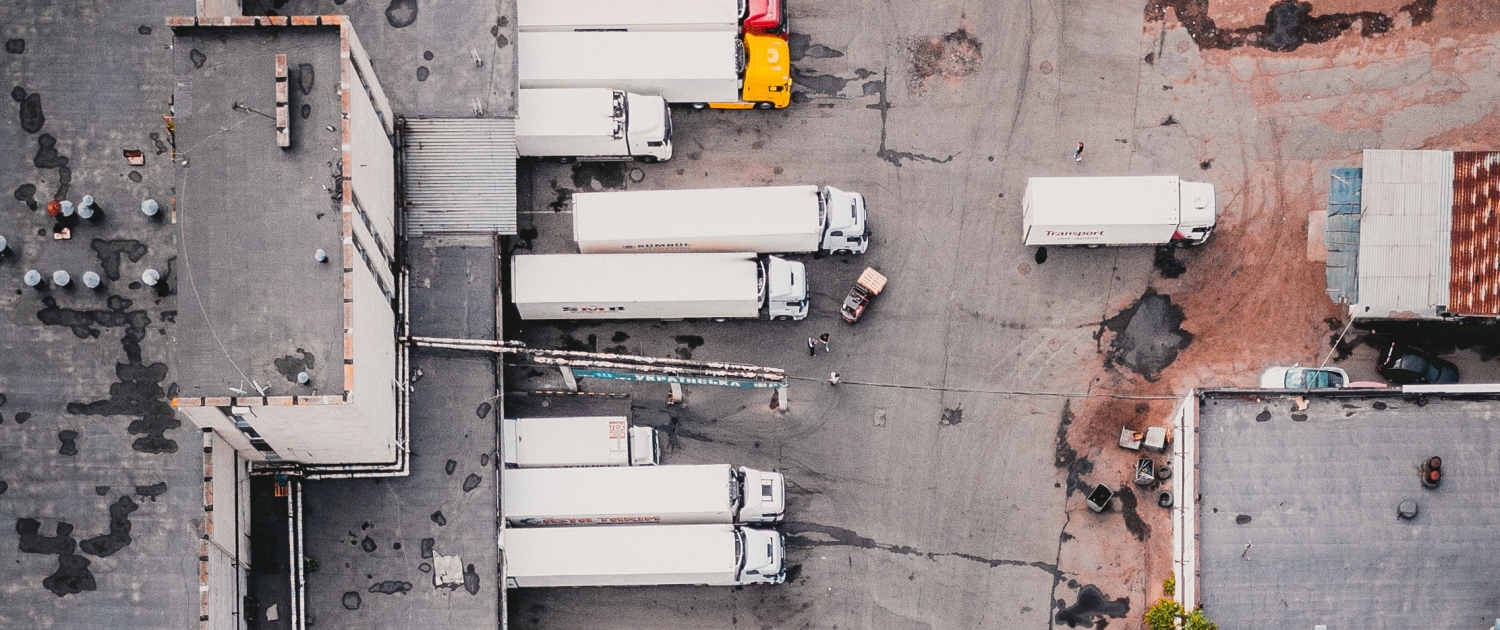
[1091, 233]
[658, 246]
[616, 429]
[592, 309]
[589, 520]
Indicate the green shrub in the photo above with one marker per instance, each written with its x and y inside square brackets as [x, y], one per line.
[1163, 615]
[1169, 585]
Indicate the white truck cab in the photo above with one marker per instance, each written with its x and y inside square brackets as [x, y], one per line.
[763, 556]
[765, 496]
[786, 282]
[1198, 219]
[846, 229]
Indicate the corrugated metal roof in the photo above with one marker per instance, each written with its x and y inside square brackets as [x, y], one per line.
[1341, 234]
[1475, 265]
[460, 176]
[1406, 203]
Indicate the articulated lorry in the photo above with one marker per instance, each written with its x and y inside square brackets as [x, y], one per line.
[578, 441]
[640, 495]
[643, 555]
[1094, 211]
[658, 286]
[593, 124]
[703, 68]
[768, 219]
[753, 16]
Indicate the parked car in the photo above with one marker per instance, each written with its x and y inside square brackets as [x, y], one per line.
[1409, 366]
[1296, 377]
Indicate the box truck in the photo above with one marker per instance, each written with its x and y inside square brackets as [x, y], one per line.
[1094, 211]
[593, 124]
[637, 495]
[657, 286]
[767, 219]
[643, 555]
[578, 441]
[717, 69]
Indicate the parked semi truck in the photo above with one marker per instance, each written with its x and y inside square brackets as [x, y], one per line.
[1152, 210]
[643, 555]
[636, 495]
[769, 220]
[658, 286]
[719, 69]
[578, 441]
[753, 16]
[593, 124]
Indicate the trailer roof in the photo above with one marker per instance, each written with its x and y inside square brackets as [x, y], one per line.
[553, 278]
[668, 214]
[620, 549]
[655, 13]
[584, 56]
[570, 492]
[586, 112]
[1104, 200]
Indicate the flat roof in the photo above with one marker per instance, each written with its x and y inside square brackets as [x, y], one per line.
[256, 307]
[1298, 512]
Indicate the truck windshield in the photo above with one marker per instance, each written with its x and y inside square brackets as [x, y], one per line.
[739, 548]
[736, 485]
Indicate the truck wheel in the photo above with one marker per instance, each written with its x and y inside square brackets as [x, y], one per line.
[648, 159]
[765, 105]
[566, 160]
[700, 105]
[782, 318]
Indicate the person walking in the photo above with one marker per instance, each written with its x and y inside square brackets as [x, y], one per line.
[1078, 154]
[833, 378]
[812, 347]
[824, 338]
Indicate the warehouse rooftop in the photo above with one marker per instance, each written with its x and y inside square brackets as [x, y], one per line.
[257, 308]
[1300, 520]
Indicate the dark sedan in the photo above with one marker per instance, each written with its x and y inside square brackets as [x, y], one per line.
[1409, 366]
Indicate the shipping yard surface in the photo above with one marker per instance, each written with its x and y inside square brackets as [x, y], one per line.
[941, 483]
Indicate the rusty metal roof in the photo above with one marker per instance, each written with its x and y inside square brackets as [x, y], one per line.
[1474, 287]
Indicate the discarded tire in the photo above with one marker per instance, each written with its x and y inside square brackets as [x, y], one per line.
[1164, 472]
[1164, 498]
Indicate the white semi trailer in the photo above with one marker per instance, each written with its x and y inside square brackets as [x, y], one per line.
[1094, 211]
[593, 124]
[634, 15]
[682, 67]
[658, 286]
[766, 219]
[636, 495]
[578, 441]
[643, 555]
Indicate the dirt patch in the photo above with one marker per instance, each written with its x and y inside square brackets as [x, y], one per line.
[951, 58]
[1092, 604]
[1286, 25]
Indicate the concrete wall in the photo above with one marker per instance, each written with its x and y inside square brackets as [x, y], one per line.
[224, 429]
[374, 333]
[374, 167]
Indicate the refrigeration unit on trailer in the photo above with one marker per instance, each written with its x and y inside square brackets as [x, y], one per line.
[703, 68]
[643, 555]
[578, 441]
[1150, 210]
[593, 124]
[766, 219]
[648, 494]
[658, 286]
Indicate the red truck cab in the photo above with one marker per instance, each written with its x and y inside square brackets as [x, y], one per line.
[767, 17]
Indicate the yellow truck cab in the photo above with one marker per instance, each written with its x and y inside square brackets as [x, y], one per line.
[767, 80]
